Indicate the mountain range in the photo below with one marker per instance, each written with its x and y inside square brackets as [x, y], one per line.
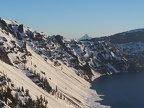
[41, 71]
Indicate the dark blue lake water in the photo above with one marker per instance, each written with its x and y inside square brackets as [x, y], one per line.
[122, 90]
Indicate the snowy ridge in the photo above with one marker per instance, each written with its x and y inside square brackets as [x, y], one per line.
[28, 57]
[130, 43]
[57, 68]
[20, 79]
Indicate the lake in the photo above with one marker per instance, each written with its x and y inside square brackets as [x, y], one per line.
[121, 90]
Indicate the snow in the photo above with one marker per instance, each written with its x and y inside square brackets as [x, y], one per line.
[20, 79]
[11, 22]
[131, 48]
[64, 78]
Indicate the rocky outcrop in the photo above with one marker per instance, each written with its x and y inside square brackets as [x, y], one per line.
[20, 28]
[130, 43]
[4, 57]
[86, 56]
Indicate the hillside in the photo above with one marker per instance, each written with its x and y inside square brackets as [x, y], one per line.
[53, 71]
[136, 35]
[30, 60]
[130, 43]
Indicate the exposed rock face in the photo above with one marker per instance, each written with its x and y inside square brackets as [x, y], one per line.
[99, 54]
[60, 41]
[43, 58]
[19, 36]
[130, 43]
[20, 28]
[4, 57]
[86, 56]
[4, 25]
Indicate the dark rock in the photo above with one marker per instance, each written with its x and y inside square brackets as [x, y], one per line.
[24, 45]
[19, 36]
[7, 28]
[20, 28]
[4, 24]
[59, 40]
[4, 57]
[87, 69]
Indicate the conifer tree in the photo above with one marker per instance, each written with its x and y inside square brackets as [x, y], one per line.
[22, 89]
[27, 92]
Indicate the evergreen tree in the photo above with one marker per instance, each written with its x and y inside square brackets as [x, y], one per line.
[46, 102]
[22, 89]
[27, 92]
[56, 89]
[38, 103]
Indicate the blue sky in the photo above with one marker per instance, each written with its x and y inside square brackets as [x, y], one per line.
[75, 18]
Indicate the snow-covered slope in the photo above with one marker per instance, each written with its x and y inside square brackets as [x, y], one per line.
[55, 68]
[30, 60]
[71, 86]
[130, 43]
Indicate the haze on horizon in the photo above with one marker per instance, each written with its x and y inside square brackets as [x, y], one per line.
[75, 18]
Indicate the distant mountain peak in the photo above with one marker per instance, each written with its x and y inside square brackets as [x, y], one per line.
[85, 37]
